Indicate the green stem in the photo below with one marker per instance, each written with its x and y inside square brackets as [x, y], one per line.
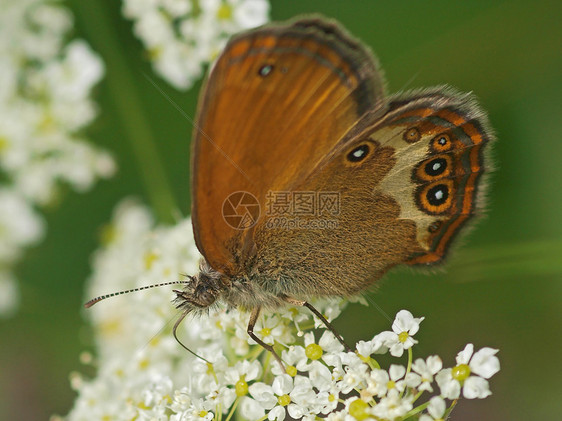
[408, 367]
[417, 396]
[415, 411]
[374, 364]
[231, 413]
[450, 409]
[93, 17]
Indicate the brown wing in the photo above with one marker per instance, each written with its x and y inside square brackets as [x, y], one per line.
[440, 138]
[277, 99]
[406, 184]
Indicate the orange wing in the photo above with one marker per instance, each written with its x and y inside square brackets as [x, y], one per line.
[276, 101]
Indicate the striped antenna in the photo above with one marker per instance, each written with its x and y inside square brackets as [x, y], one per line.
[114, 294]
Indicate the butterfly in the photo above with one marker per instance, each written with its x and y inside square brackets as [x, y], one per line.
[308, 180]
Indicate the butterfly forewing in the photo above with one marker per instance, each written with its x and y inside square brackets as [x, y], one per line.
[275, 101]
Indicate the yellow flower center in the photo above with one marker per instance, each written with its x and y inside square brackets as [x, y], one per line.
[358, 409]
[142, 405]
[284, 400]
[3, 144]
[461, 372]
[313, 351]
[224, 12]
[265, 331]
[403, 336]
[390, 384]
[291, 370]
[203, 414]
[241, 386]
[108, 234]
[149, 259]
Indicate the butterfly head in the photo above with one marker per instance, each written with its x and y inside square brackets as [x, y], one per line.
[201, 291]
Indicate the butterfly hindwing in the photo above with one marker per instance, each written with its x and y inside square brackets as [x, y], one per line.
[440, 139]
[406, 181]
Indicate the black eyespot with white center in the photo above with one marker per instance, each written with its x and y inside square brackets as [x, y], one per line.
[437, 195]
[412, 135]
[442, 143]
[436, 167]
[359, 153]
[265, 70]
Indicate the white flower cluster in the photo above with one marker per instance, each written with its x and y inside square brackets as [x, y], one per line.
[45, 84]
[143, 374]
[183, 35]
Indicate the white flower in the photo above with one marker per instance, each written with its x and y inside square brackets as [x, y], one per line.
[198, 411]
[208, 374]
[241, 374]
[73, 78]
[38, 138]
[20, 225]
[45, 88]
[251, 409]
[403, 328]
[181, 38]
[393, 406]
[422, 377]
[356, 372]
[181, 400]
[484, 364]
[328, 347]
[286, 394]
[436, 409]
[327, 386]
[368, 348]
[380, 382]
[295, 359]
[270, 329]
[221, 397]
[142, 376]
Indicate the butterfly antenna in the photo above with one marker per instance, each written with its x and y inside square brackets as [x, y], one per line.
[114, 294]
[175, 331]
[379, 309]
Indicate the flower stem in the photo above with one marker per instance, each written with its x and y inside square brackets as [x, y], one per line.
[120, 81]
[416, 411]
[450, 409]
[408, 368]
[232, 409]
[410, 358]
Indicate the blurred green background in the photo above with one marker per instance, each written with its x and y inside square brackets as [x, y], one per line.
[502, 288]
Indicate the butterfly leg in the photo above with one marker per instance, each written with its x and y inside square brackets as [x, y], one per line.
[331, 328]
[250, 330]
